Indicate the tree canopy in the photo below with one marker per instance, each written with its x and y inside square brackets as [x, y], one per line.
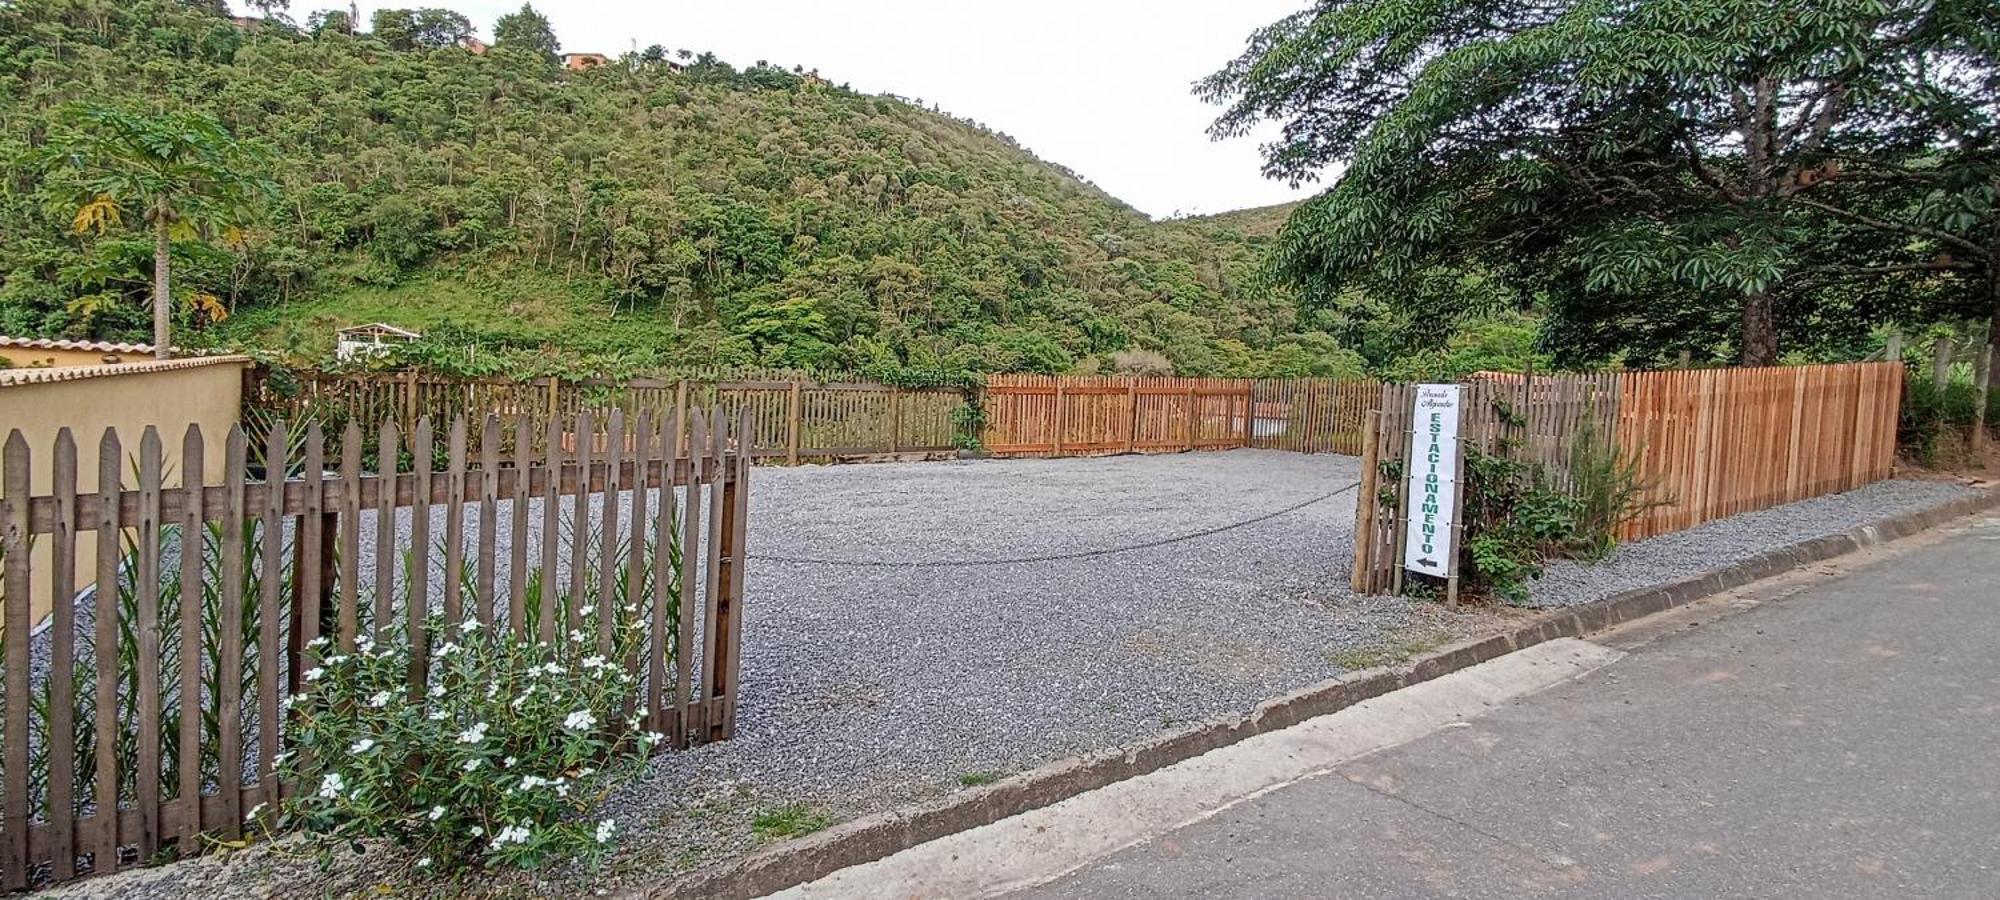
[1662, 175]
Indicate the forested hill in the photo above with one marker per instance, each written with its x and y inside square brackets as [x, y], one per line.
[664, 209]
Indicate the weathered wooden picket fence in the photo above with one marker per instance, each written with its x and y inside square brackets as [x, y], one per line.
[131, 738]
[1068, 415]
[1709, 443]
[790, 419]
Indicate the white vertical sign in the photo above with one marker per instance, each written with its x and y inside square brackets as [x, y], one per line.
[1433, 466]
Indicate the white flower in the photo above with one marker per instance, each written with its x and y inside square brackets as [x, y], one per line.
[576, 635]
[437, 812]
[331, 786]
[605, 830]
[471, 764]
[315, 673]
[437, 690]
[468, 626]
[365, 644]
[581, 720]
[446, 649]
[254, 811]
[336, 660]
[594, 662]
[424, 863]
[317, 642]
[531, 782]
[510, 761]
[652, 737]
[478, 831]
[473, 735]
[437, 715]
[380, 700]
[361, 746]
[512, 834]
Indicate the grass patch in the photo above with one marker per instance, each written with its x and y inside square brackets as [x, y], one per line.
[978, 779]
[1396, 650]
[788, 821]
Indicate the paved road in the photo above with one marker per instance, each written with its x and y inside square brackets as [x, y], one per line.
[1840, 742]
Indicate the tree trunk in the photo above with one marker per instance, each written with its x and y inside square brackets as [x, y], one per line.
[1760, 330]
[1989, 354]
[163, 307]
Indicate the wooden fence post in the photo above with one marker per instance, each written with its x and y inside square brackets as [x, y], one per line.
[1132, 397]
[895, 419]
[1193, 401]
[1362, 579]
[1056, 433]
[793, 419]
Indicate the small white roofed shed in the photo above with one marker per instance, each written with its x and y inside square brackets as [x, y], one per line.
[371, 339]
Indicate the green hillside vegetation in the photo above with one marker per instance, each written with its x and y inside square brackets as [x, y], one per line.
[664, 210]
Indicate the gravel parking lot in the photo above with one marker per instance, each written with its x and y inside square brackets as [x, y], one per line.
[913, 658]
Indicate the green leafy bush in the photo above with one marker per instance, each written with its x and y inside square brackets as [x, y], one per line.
[500, 761]
[1513, 520]
[1936, 420]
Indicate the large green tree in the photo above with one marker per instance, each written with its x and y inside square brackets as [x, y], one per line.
[526, 30]
[181, 173]
[1648, 162]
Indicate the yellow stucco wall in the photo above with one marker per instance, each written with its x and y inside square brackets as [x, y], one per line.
[129, 397]
[47, 357]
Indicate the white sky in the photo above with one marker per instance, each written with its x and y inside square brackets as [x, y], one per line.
[1101, 86]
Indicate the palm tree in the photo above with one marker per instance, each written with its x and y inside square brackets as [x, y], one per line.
[183, 171]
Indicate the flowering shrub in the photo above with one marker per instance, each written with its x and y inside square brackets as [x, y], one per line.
[499, 761]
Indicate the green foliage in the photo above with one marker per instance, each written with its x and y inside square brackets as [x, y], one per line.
[789, 821]
[499, 762]
[1513, 520]
[179, 176]
[1936, 421]
[1609, 487]
[627, 218]
[1516, 517]
[1715, 176]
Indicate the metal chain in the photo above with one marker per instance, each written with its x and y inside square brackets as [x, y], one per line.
[1052, 557]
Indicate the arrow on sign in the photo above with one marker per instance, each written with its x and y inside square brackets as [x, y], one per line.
[1432, 563]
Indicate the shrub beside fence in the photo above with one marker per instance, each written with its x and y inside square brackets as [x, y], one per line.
[162, 722]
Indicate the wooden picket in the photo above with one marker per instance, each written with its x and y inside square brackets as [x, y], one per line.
[272, 542]
[789, 419]
[1718, 442]
[1081, 415]
[1313, 415]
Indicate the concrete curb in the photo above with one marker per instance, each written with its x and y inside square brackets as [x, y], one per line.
[873, 837]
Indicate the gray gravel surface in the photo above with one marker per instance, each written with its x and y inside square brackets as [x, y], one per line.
[1712, 545]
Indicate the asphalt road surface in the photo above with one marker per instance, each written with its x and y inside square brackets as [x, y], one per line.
[1839, 741]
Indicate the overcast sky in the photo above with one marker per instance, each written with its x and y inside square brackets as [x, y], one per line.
[1100, 86]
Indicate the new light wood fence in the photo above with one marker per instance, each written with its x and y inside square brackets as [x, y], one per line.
[1718, 442]
[791, 419]
[1709, 443]
[160, 721]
